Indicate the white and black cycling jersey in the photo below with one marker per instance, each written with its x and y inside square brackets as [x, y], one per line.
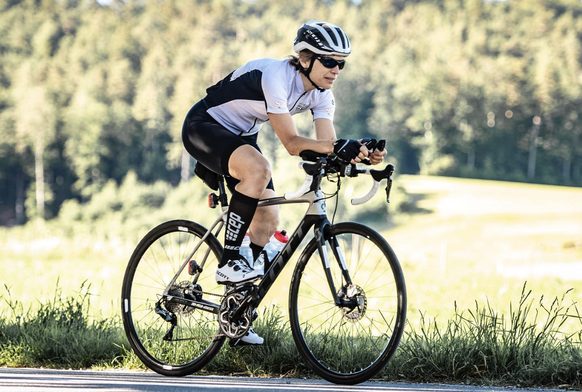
[240, 102]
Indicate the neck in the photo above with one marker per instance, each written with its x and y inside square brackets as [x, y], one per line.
[306, 83]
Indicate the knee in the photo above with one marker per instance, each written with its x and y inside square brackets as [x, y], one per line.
[261, 173]
[251, 168]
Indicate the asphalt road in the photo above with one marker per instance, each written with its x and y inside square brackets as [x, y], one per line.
[34, 380]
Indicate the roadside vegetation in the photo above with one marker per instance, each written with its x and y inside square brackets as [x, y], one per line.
[528, 348]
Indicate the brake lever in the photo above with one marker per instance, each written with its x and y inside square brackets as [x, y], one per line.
[380, 145]
[389, 182]
[379, 175]
[369, 143]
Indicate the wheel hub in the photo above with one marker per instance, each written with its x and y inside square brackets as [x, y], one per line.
[182, 290]
[358, 303]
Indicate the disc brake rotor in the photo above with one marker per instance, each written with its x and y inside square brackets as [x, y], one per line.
[356, 295]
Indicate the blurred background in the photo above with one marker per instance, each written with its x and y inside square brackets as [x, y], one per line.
[480, 103]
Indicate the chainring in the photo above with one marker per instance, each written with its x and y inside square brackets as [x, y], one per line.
[235, 329]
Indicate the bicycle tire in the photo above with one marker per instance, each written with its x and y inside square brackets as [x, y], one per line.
[341, 345]
[151, 267]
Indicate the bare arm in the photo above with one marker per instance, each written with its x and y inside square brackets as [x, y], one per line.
[285, 130]
[324, 129]
[284, 127]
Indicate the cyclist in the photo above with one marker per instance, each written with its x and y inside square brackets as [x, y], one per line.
[220, 132]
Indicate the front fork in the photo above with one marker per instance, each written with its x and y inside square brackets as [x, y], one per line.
[322, 236]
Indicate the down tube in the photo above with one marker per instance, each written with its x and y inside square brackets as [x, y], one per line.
[286, 253]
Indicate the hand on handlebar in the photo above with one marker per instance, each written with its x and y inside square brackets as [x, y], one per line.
[367, 150]
[350, 150]
[323, 167]
[377, 157]
[376, 150]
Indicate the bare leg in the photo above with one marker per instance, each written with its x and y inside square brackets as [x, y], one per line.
[265, 221]
[252, 169]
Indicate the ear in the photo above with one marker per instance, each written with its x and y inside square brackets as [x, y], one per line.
[304, 63]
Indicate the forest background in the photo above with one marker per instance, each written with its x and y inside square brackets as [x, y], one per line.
[92, 92]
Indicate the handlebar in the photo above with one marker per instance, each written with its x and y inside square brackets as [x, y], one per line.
[320, 165]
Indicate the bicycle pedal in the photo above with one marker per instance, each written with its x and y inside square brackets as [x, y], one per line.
[240, 343]
[235, 343]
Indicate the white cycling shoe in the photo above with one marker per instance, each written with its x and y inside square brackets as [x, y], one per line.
[237, 271]
[250, 339]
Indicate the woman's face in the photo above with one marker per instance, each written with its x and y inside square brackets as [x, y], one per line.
[322, 76]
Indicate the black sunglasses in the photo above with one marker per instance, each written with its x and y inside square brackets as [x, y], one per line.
[330, 62]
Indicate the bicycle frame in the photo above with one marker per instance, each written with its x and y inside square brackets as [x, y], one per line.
[315, 216]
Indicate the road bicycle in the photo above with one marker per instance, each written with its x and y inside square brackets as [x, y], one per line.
[347, 299]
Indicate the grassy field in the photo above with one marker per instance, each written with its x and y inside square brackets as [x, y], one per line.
[464, 241]
[481, 240]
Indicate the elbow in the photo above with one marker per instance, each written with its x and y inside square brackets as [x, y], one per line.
[292, 148]
[293, 151]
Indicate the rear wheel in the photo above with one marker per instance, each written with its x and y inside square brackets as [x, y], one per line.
[351, 342]
[168, 334]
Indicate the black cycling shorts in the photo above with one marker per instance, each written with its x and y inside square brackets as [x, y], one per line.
[211, 144]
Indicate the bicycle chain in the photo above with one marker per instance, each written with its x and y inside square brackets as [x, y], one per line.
[214, 294]
[220, 335]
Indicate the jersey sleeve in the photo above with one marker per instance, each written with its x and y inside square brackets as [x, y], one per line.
[275, 89]
[325, 107]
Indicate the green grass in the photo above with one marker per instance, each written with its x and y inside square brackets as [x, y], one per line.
[481, 345]
[478, 345]
[58, 333]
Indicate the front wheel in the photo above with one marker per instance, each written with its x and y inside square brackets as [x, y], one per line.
[169, 313]
[351, 341]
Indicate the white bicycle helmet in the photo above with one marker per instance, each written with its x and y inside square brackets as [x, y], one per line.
[322, 38]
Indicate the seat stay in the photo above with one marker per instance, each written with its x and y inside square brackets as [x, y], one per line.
[219, 223]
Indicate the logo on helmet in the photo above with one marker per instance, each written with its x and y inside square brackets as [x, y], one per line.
[314, 37]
